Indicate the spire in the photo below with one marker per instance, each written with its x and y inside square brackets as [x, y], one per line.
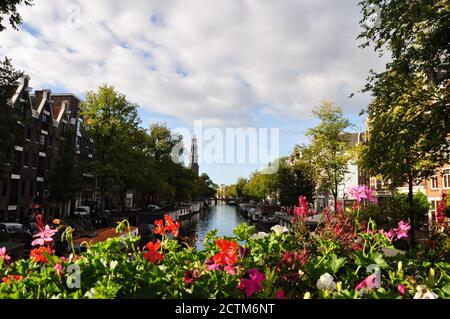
[194, 156]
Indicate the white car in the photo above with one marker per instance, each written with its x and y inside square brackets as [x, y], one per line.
[82, 211]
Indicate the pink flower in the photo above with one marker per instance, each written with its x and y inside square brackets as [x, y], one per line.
[251, 282]
[44, 236]
[280, 294]
[369, 282]
[402, 230]
[213, 267]
[59, 268]
[3, 254]
[362, 192]
[401, 289]
[230, 270]
[303, 208]
[390, 234]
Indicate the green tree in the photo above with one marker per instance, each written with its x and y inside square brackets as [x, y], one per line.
[111, 121]
[8, 10]
[329, 152]
[403, 145]
[161, 142]
[416, 36]
[10, 129]
[262, 187]
[239, 188]
[295, 180]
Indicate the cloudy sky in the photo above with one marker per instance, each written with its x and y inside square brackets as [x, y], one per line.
[227, 63]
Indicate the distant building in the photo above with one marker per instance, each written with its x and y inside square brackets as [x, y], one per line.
[45, 117]
[193, 165]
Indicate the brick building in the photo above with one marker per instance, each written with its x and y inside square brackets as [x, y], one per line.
[45, 117]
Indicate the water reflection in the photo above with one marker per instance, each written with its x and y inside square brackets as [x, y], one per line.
[222, 217]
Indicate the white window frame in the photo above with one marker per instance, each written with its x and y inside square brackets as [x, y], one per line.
[446, 178]
[433, 179]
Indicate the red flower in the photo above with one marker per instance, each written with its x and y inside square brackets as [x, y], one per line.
[160, 229]
[172, 226]
[152, 254]
[228, 252]
[10, 278]
[303, 209]
[37, 254]
[280, 294]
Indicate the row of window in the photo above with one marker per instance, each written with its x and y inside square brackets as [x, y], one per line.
[445, 179]
[21, 187]
[36, 161]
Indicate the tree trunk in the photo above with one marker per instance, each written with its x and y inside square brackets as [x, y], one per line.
[411, 212]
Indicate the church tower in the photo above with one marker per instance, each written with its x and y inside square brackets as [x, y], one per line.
[194, 156]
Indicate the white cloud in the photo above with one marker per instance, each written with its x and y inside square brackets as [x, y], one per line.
[224, 61]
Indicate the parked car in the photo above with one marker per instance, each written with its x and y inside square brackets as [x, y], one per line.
[153, 208]
[82, 211]
[16, 231]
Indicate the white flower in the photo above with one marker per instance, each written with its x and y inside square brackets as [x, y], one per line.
[90, 294]
[259, 235]
[113, 264]
[424, 293]
[326, 282]
[278, 229]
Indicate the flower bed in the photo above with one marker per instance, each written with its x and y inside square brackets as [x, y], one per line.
[340, 259]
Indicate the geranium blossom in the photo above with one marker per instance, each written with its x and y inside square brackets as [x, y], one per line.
[228, 252]
[326, 282]
[160, 229]
[172, 226]
[3, 254]
[251, 282]
[38, 254]
[167, 225]
[10, 278]
[152, 254]
[44, 236]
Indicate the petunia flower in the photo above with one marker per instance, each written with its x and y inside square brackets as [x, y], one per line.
[251, 282]
[278, 229]
[280, 294]
[260, 235]
[369, 282]
[326, 282]
[401, 289]
[424, 293]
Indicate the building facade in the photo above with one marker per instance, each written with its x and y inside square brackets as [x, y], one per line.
[45, 118]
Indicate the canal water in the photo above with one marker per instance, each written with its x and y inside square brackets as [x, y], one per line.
[222, 217]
